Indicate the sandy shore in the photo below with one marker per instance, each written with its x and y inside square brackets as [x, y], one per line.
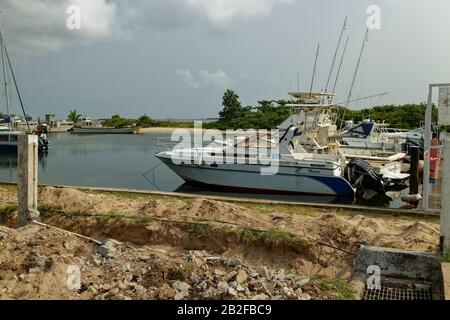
[166, 130]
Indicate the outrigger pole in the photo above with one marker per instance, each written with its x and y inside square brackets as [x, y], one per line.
[356, 72]
[339, 69]
[335, 53]
[314, 71]
[365, 98]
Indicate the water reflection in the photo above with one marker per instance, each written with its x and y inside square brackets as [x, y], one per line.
[197, 189]
[8, 165]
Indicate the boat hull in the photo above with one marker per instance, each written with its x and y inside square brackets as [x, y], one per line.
[78, 130]
[8, 148]
[245, 177]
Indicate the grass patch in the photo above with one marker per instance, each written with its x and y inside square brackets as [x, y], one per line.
[335, 289]
[112, 215]
[446, 257]
[274, 238]
[9, 209]
[48, 208]
[198, 230]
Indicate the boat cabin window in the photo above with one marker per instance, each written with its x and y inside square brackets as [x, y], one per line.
[4, 137]
[13, 138]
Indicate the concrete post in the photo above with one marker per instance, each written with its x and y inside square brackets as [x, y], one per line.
[27, 179]
[445, 214]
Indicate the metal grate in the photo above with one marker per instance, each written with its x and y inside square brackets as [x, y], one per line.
[386, 293]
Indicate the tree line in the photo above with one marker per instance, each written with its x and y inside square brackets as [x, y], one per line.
[269, 114]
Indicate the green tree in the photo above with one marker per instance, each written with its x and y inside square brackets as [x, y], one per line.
[73, 116]
[408, 116]
[117, 121]
[146, 121]
[232, 108]
[265, 106]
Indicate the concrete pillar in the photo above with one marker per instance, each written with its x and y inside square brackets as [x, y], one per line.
[445, 214]
[27, 179]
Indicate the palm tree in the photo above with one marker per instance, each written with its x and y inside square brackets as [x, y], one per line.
[73, 116]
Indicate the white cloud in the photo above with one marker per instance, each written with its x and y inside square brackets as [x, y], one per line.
[217, 14]
[222, 13]
[205, 79]
[40, 25]
[34, 26]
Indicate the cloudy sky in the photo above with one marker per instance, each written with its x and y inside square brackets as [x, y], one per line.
[175, 58]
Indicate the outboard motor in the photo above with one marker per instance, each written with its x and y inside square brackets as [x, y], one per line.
[43, 144]
[362, 176]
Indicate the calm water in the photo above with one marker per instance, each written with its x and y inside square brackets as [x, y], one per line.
[127, 161]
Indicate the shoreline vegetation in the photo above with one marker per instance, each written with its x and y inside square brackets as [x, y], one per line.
[268, 114]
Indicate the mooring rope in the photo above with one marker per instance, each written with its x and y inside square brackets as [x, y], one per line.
[67, 231]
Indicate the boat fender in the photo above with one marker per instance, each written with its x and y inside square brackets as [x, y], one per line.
[412, 198]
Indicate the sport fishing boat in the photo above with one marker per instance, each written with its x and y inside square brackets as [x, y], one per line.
[318, 133]
[373, 136]
[298, 172]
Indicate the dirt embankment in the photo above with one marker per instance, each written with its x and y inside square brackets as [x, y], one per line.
[347, 230]
[190, 248]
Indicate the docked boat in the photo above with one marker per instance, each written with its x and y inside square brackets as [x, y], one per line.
[316, 121]
[9, 138]
[371, 135]
[104, 130]
[311, 158]
[86, 125]
[9, 141]
[298, 172]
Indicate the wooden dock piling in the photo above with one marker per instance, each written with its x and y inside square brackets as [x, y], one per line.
[414, 171]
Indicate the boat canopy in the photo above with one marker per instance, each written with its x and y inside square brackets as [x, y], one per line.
[362, 130]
